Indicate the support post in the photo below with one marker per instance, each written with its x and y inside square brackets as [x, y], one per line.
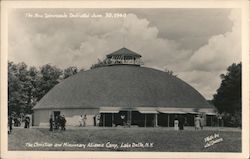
[156, 120]
[145, 124]
[168, 119]
[112, 120]
[103, 120]
[127, 123]
[211, 121]
[130, 120]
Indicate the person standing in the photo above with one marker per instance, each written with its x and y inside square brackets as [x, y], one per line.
[219, 120]
[84, 120]
[123, 120]
[181, 122]
[26, 122]
[56, 122]
[50, 123]
[60, 122]
[15, 121]
[176, 124]
[94, 119]
[197, 122]
[63, 123]
[97, 120]
[81, 121]
[202, 122]
[10, 124]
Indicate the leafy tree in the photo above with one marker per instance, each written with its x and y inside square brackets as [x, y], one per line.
[50, 76]
[18, 86]
[70, 71]
[33, 77]
[228, 98]
[27, 85]
[13, 87]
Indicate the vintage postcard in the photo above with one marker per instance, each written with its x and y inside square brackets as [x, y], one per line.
[125, 79]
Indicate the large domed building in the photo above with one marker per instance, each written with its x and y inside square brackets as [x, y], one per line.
[122, 92]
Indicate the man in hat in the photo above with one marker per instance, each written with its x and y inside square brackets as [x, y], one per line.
[63, 123]
[50, 123]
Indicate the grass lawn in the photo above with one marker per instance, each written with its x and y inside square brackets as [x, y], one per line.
[164, 140]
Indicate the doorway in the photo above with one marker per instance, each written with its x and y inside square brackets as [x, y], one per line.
[56, 115]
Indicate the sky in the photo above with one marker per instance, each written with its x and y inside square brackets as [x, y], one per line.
[196, 44]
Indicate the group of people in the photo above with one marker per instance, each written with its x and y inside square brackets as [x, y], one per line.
[179, 123]
[16, 121]
[59, 122]
[83, 120]
[199, 122]
[27, 122]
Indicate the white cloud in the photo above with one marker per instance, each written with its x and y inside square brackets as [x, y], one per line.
[205, 82]
[79, 42]
[211, 60]
[82, 44]
[222, 50]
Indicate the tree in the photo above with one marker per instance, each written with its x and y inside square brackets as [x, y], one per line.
[27, 85]
[70, 71]
[228, 98]
[49, 77]
[33, 78]
[18, 86]
[13, 87]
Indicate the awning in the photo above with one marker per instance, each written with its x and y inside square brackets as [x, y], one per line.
[172, 112]
[109, 111]
[207, 110]
[148, 111]
[194, 112]
[211, 113]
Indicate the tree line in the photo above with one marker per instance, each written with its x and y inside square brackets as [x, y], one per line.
[27, 85]
[228, 97]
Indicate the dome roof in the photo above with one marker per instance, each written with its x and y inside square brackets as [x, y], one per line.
[122, 86]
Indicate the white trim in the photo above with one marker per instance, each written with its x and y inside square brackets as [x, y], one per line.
[172, 112]
[211, 113]
[148, 111]
[109, 111]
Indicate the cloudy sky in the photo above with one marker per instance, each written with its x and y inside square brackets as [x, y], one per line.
[197, 44]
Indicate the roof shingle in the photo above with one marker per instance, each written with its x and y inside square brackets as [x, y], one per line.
[122, 86]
